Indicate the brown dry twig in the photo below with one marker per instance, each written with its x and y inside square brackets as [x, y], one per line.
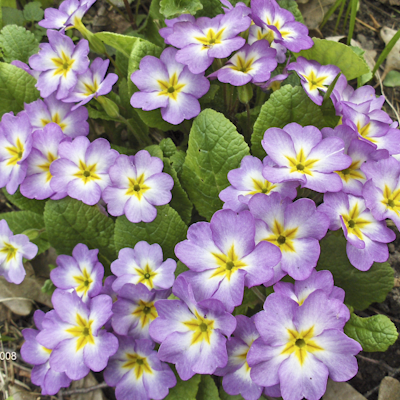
[83, 390]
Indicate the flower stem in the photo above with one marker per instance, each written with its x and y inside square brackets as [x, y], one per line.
[130, 14]
[258, 293]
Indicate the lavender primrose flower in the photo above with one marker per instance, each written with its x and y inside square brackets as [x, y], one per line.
[72, 123]
[137, 372]
[274, 83]
[300, 346]
[281, 26]
[134, 310]
[295, 228]
[314, 77]
[12, 249]
[92, 83]
[366, 237]
[73, 332]
[82, 169]
[301, 154]
[209, 38]
[167, 84]
[165, 32]
[248, 180]
[137, 185]
[15, 146]
[143, 264]
[60, 63]
[223, 257]
[382, 190]
[107, 289]
[236, 375]
[36, 184]
[59, 18]
[81, 272]
[250, 64]
[34, 353]
[353, 178]
[192, 334]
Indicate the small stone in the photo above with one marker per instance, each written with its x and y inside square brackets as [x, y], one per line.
[389, 389]
[341, 390]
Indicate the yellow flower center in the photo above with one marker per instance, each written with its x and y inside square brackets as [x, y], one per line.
[202, 328]
[146, 276]
[228, 264]
[262, 186]
[242, 65]
[56, 119]
[146, 312]
[301, 164]
[211, 38]
[84, 281]
[391, 199]
[171, 88]
[91, 89]
[281, 237]
[315, 82]
[137, 187]
[46, 166]
[82, 331]
[63, 64]
[364, 131]
[16, 152]
[354, 223]
[138, 364]
[10, 250]
[87, 172]
[352, 172]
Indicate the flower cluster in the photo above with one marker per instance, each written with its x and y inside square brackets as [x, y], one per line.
[176, 81]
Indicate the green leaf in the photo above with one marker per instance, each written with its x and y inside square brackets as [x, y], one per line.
[97, 114]
[286, 105]
[16, 88]
[9, 3]
[207, 389]
[33, 11]
[36, 206]
[177, 161]
[250, 300]
[329, 52]
[13, 16]
[211, 8]
[167, 230]
[215, 147]
[392, 79]
[292, 6]
[184, 390]
[122, 43]
[20, 221]
[168, 147]
[374, 333]
[69, 222]
[4, 338]
[174, 8]
[48, 287]
[180, 268]
[362, 287]
[388, 48]
[17, 43]
[225, 396]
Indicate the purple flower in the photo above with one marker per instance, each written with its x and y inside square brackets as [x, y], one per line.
[223, 257]
[15, 146]
[60, 63]
[12, 249]
[165, 32]
[26, 68]
[137, 185]
[281, 26]
[143, 264]
[257, 33]
[36, 184]
[314, 77]
[82, 169]
[318, 280]
[165, 83]
[236, 374]
[192, 334]
[72, 123]
[137, 372]
[81, 272]
[353, 178]
[274, 83]
[300, 346]
[382, 190]
[366, 237]
[107, 289]
[73, 331]
[92, 83]
[295, 228]
[248, 180]
[250, 64]
[34, 353]
[209, 38]
[59, 18]
[227, 6]
[134, 310]
[301, 154]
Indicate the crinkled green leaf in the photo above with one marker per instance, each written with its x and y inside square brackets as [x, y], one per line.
[362, 287]
[174, 8]
[16, 88]
[329, 52]
[250, 300]
[168, 147]
[17, 43]
[292, 6]
[211, 8]
[286, 105]
[122, 43]
[12, 16]
[207, 389]
[215, 148]
[33, 11]
[9, 3]
[374, 333]
[177, 161]
[69, 222]
[167, 230]
[184, 390]
[20, 221]
[36, 206]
